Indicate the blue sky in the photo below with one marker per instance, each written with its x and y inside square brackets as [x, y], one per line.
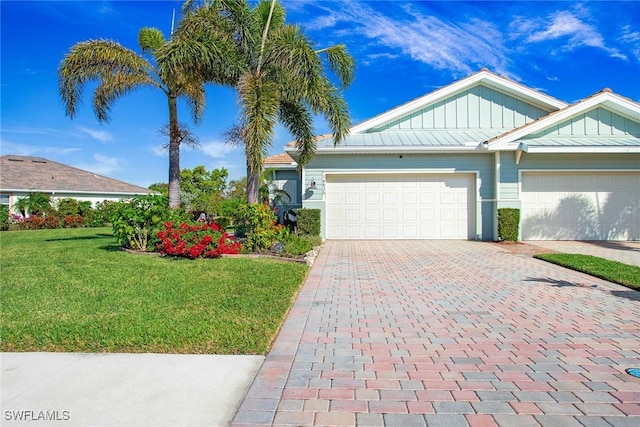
[403, 50]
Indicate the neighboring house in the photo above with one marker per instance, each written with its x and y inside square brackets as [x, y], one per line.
[285, 176]
[440, 167]
[21, 175]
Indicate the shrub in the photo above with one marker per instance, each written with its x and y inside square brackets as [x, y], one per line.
[67, 207]
[508, 224]
[309, 222]
[260, 223]
[4, 218]
[295, 246]
[133, 221]
[72, 221]
[194, 241]
[35, 222]
[100, 216]
[313, 240]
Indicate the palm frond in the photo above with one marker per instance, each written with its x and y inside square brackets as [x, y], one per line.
[340, 62]
[194, 94]
[259, 99]
[104, 61]
[150, 39]
[296, 118]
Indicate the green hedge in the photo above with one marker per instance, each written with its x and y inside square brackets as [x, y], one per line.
[4, 217]
[508, 224]
[309, 222]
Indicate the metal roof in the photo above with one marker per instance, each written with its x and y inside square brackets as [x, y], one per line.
[415, 139]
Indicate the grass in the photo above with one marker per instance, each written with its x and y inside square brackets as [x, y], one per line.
[613, 271]
[73, 290]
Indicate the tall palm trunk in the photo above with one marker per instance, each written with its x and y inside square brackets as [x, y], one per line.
[174, 153]
[253, 182]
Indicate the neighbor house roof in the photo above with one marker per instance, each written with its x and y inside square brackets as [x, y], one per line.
[282, 159]
[26, 173]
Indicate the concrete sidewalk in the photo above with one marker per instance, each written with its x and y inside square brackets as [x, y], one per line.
[73, 389]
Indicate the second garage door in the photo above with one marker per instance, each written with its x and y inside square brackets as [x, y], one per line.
[415, 206]
[581, 206]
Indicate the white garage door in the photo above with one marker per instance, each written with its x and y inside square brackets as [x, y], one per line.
[580, 206]
[426, 206]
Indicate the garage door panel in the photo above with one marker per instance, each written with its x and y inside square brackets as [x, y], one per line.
[401, 206]
[580, 206]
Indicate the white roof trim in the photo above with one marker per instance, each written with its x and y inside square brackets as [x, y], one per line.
[492, 80]
[582, 149]
[605, 99]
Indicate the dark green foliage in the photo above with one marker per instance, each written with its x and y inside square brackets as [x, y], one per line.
[613, 271]
[259, 220]
[4, 218]
[135, 222]
[309, 222]
[508, 224]
[295, 246]
[67, 207]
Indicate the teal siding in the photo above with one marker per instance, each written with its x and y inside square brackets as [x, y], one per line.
[596, 122]
[415, 163]
[580, 161]
[289, 181]
[508, 176]
[509, 170]
[479, 107]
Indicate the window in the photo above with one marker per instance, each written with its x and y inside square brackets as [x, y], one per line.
[4, 199]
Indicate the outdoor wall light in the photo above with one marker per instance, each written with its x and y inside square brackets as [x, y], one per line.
[312, 185]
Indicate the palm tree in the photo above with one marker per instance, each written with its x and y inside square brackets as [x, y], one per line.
[279, 76]
[118, 71]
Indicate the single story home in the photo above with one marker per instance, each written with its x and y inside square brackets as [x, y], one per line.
[21, 175]
[440, 167]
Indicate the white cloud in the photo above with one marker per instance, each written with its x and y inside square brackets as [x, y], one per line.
[566, 27]
[100, 135]
[9, 147]
[461, 47]
[217, 150]
[103, 165]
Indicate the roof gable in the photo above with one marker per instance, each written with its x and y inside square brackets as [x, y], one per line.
[611, 118]
[26, 173]
[467, 104]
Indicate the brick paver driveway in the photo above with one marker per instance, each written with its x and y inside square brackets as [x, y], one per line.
[449, 333]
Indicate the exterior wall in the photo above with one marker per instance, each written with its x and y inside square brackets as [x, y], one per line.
[509, 171]
[477, 108]
[597, 122]
[93, 198]
[289, 181]
[480, 164]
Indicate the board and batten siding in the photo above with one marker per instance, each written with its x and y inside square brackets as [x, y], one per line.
[479, 107]
[596, 122]
[482, 164]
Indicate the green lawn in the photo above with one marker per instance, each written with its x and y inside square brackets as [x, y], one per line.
[613, 271]
[74, 290]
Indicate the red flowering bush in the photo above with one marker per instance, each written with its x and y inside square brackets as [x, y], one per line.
[193, 241]
[73, 221]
